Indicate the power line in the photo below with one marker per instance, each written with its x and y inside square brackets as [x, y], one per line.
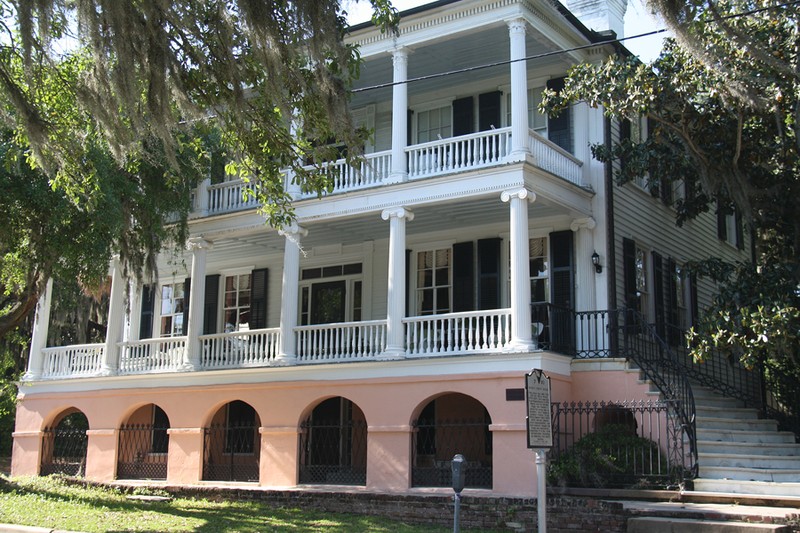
[564, 51]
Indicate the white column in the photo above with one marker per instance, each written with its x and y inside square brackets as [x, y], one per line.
[519, 90]
[584, 269]
[201, 197]
[399, 115]
[41, 322]
[287, 351]
[396, 292]
[116, 320]
[133, 314]
[521, 337]
[197, 297]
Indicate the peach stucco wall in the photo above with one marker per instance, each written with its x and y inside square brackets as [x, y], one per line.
[389, 406]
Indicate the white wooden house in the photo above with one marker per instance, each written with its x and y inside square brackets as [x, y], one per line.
[393, 324]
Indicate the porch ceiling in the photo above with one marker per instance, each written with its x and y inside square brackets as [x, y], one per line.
[468, 49]
[438, 217]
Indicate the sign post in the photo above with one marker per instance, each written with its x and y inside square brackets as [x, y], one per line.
[540, 435]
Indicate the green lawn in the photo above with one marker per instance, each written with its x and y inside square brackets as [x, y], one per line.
[52, 502]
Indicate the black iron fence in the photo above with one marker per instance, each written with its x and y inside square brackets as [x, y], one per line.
[142, 452]
[64, 451]
[616, 444]
[231, 453]
[436, 442]
[333, 452]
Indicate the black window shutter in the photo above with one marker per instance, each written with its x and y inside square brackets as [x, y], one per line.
[673, 327]
[658, 293]
[187, 286]
[559, 127]
[409, 127]
[258, 298]
[629, 273]
[463, 116]
[561, 275]
[489, 273]
[693, 297]
[408, 282]
[722, 229]
[739, 231]
[489, 110]
[146, 315]
[210, 304]
[463, 276]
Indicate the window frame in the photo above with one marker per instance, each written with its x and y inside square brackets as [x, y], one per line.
[160, 315]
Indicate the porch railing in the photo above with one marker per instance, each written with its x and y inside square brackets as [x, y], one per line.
[72, 361]
[371, 171]
[465, 152]
[231, 195]
[344, 341]
[554, 159]
[239, 348]
[152, 355]
[472, 331]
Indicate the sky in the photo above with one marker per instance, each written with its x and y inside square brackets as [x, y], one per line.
[637, 20]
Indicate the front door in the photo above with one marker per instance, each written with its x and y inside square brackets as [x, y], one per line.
[328, 302]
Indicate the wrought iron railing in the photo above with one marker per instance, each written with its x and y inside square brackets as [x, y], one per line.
[436, 442]
[231, 452]
[142, 452]
[333, 452]
[615, 444]
[64, 451]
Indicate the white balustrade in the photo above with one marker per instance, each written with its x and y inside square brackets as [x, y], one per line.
[231, 195]
[554, 159]
[72, 361]
[467, 332]
[454, 154]
[239, 348]
[370, 171]
[165, 354]
[340, 342]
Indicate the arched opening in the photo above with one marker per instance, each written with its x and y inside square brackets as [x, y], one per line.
[143, 444]
[333, 444]
[232, 444]
[64, 445]
[447, 425]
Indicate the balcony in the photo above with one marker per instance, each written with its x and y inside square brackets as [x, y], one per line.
[474, 332]
[429, 160]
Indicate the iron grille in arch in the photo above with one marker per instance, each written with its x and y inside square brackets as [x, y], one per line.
[142, 452]
[333, 452]
[64, 451]
[231, 452]
[435, 444]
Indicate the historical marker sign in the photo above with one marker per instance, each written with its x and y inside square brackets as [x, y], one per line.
[540, 426]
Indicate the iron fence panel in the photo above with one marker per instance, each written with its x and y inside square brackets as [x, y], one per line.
[64, 451]
[435, 444]
[333, 452]
[231, 453]
[142, 452]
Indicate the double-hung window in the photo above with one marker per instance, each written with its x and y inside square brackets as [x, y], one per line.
[236, 302]
[434, 124]
[434, 281]
[172, 308]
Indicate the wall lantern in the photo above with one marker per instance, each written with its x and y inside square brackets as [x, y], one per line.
[596, 262]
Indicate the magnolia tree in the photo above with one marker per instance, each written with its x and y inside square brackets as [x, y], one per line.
[723, 109]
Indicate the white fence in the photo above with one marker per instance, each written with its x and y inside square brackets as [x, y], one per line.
[454, 154]
[152, 355]
[72, 361]
[371, 171]
[472, 331]
[231, 195]
[239, 348]
[342, 341]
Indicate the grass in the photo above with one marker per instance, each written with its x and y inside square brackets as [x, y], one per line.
[55, 503]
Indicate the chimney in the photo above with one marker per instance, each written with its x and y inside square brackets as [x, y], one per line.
[600, 15]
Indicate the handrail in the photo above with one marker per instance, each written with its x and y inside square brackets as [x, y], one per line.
[72, 361]
[554, 159]
[461, 332]
[641, 344]
[239, 348]
[453, 154]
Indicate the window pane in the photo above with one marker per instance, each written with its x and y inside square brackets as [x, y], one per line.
[442, 276]
[443, 300]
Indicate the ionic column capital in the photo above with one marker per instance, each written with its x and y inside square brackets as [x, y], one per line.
[400, 54]
[521, 193]
[583, 223]
[397, 212]
[293, 231]
[516, 25]
[198, 243]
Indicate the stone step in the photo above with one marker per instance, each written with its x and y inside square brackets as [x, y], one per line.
[786, 449]
[718, 401]
[737, 413]
[740, 486]
[646, 524]
[790, 475]
[740, 435]
[734, 460]
[737, 424]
